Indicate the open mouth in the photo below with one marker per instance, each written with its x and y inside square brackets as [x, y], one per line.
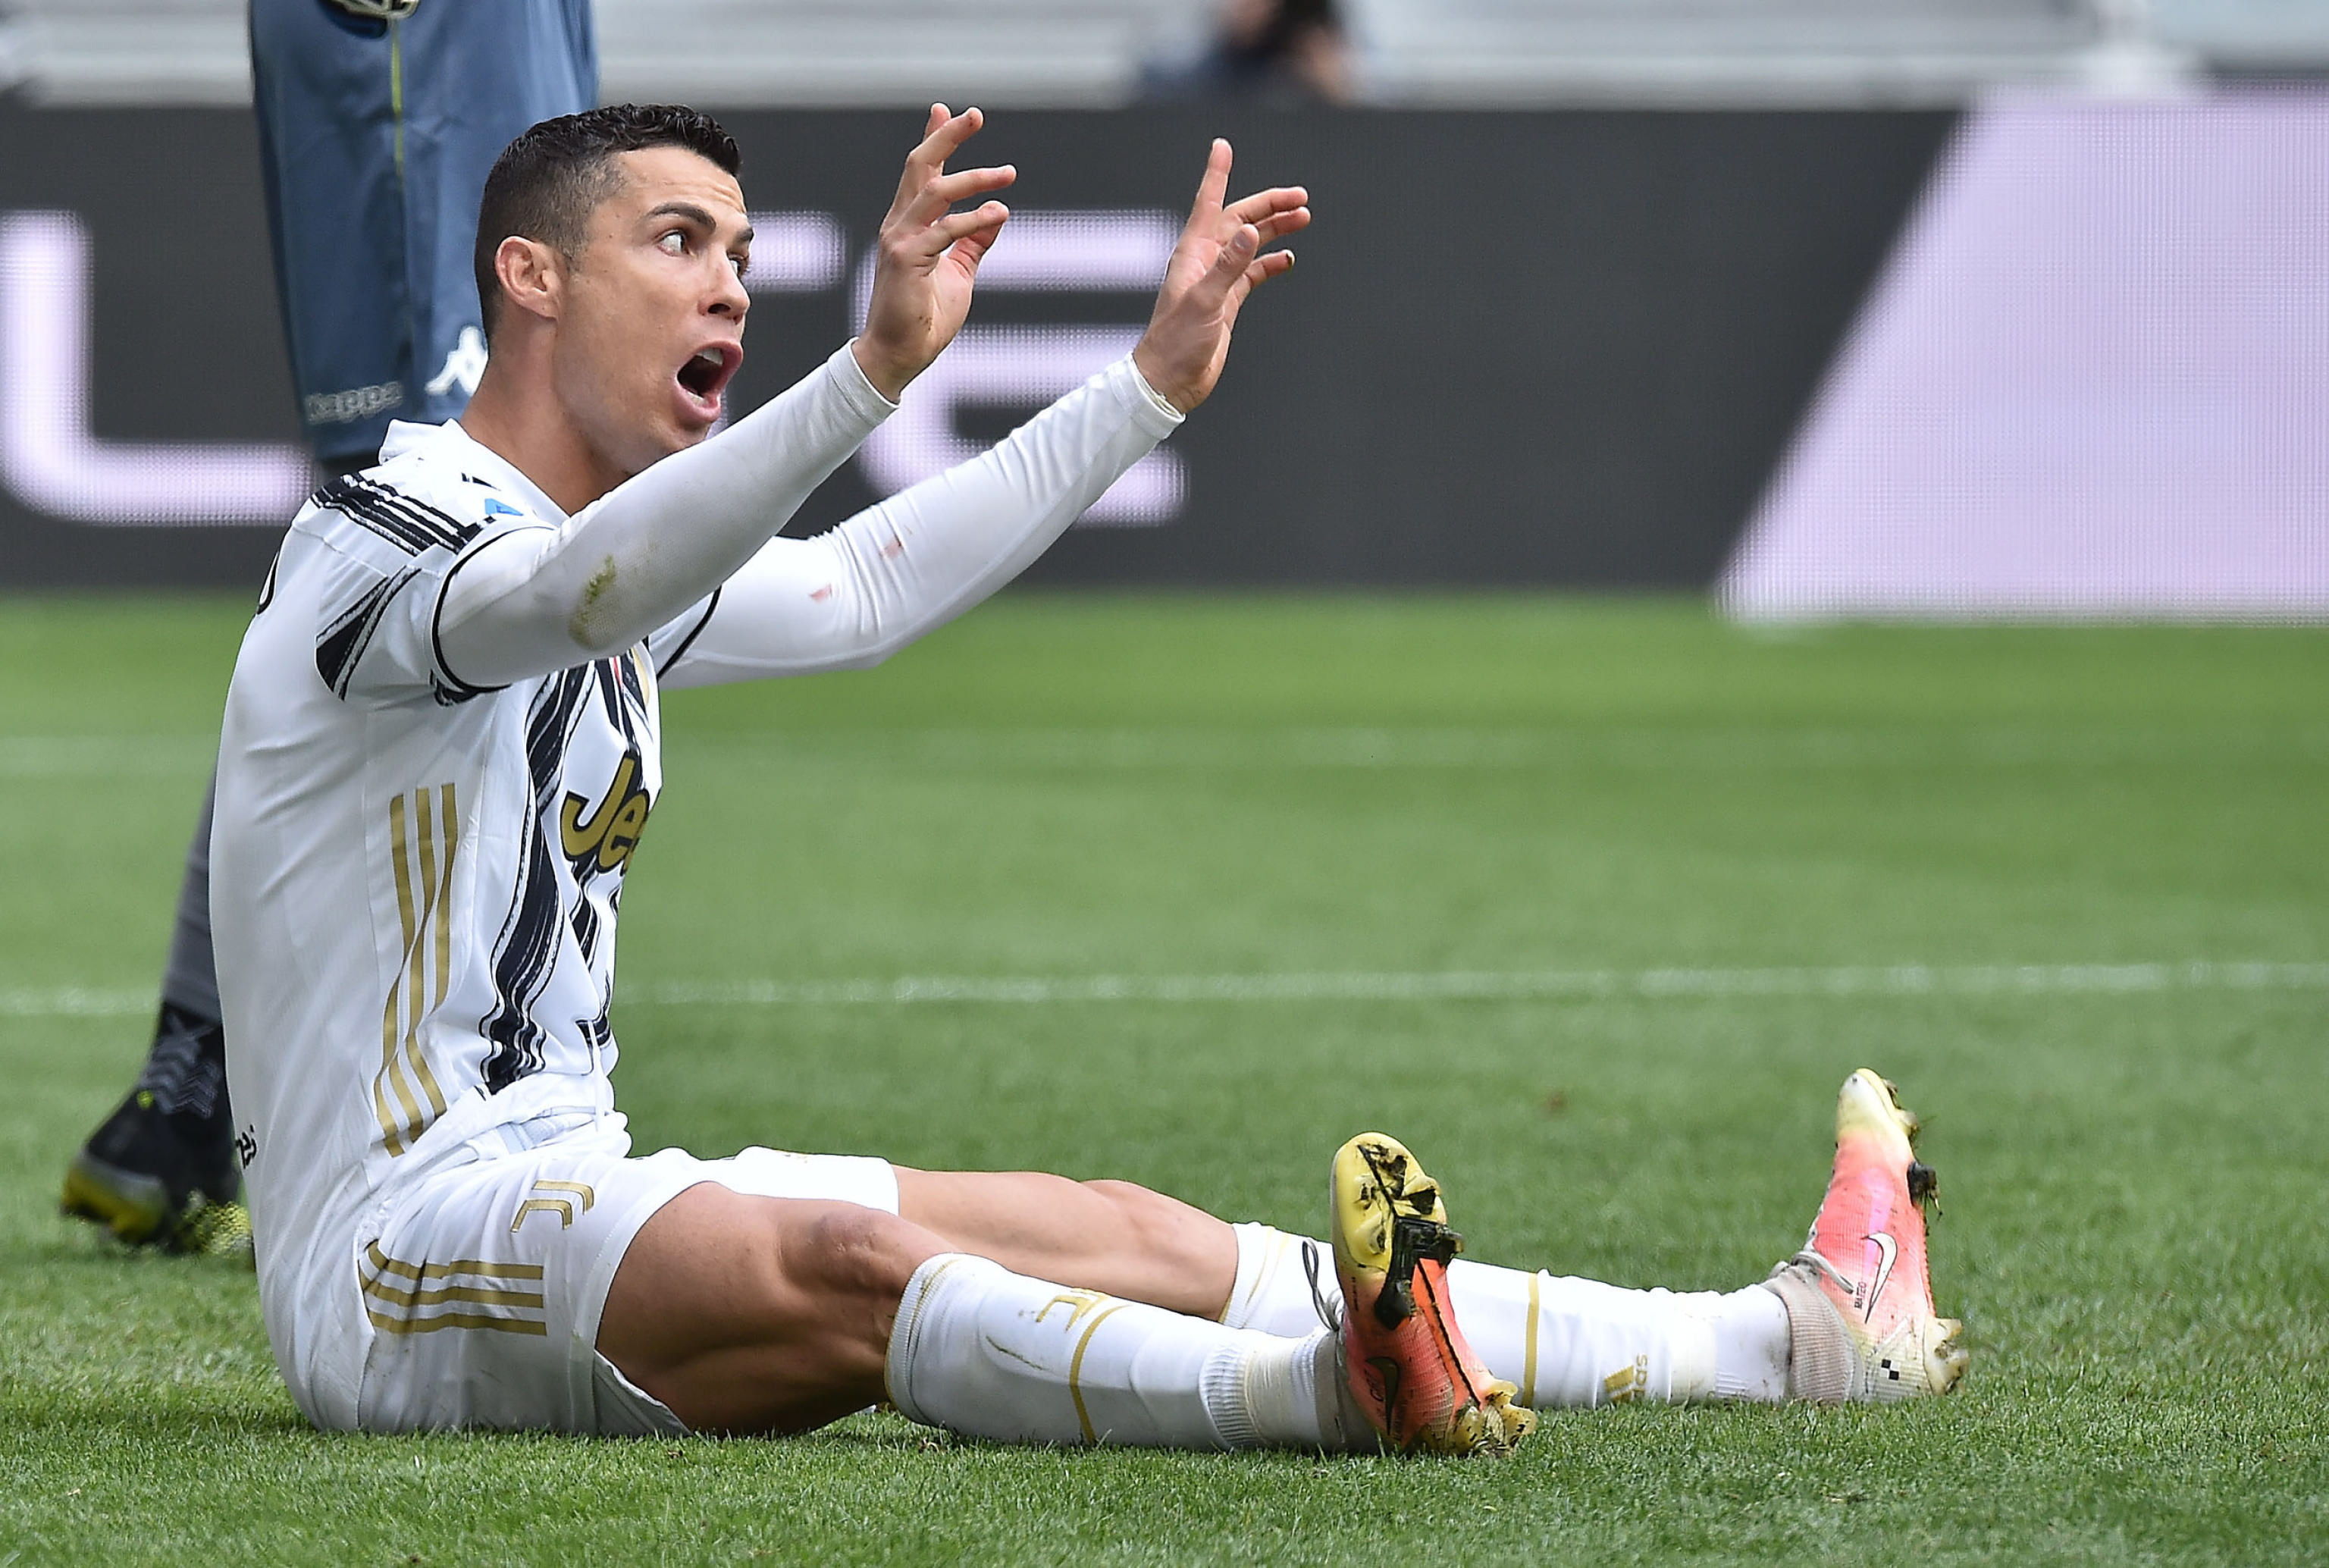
[707, 372]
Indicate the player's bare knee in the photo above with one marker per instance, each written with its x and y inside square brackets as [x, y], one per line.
[847, 1251]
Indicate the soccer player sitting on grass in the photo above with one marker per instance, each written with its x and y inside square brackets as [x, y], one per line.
[441, 748]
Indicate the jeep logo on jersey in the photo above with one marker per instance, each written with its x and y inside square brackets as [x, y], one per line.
[614, 828]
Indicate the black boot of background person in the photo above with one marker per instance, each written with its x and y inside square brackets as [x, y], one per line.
[161, 1171]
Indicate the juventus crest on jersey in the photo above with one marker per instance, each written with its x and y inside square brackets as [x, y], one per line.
[478, 836]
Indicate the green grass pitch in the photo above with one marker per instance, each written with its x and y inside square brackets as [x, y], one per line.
[1235, 848]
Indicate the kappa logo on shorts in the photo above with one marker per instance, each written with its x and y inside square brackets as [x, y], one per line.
[569, 1201]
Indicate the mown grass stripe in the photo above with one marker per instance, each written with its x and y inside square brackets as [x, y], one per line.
[1427, 748]
[1391, 986]
[1896, 981]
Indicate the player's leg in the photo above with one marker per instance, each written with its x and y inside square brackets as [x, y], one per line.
[1563, 1342]
[744, 1313]
[161, 1169]
[1811, 1331]
[325, 95]
[1030, 1306]
[1396, 1371]
[474, 78]
[1560, 1341]
[1112, 1236]
[726, 1306]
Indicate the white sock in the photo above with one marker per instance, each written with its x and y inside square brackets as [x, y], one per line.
[1752, 1345]
[991, 1353]
[1560, 1341]
[1285, 1284]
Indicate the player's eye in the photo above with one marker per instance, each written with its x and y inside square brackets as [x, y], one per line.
[673, 242]
[740, 262]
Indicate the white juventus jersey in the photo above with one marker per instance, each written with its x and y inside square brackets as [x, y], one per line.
[476, 838]
[415, 880]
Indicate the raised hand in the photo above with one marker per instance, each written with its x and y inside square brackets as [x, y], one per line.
[927, 256]
[1218, 262]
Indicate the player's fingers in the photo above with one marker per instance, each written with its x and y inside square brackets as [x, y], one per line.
[1253, 209]
[1275, 264]
[958, 226]
[1229, 266]
[1277, 225]
[950, 133]
[1211, 189]
[944, 190]
[1258, 271]
[972, 248]
[921, 159]
[945, 133]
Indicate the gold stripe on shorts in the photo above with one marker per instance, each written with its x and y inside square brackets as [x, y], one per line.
[496, 1293]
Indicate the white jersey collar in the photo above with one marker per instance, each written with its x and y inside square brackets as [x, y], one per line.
[449, 443]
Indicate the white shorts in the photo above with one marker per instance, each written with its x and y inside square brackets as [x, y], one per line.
[484, 1286]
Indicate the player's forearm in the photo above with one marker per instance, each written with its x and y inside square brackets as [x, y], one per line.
[543, 599]
[853, 596]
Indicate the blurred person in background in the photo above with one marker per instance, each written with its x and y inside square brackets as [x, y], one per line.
[377, 121]
[1285, 50]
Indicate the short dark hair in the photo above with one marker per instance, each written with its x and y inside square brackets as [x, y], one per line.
[545, 184]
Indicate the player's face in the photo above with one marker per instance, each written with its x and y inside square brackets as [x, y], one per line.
[653, 323]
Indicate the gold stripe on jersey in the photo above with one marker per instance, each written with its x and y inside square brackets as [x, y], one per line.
[391, 1072]
[398, 1309]
[383, 1263]
[438, 878]
[422, 842]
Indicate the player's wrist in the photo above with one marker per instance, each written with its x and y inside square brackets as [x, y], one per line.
[1155, 370]
[889, 372]
[1154, 410]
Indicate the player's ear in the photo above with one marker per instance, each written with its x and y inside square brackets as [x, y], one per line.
[533, 276]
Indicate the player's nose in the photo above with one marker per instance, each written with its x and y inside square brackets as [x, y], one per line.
[729, 298]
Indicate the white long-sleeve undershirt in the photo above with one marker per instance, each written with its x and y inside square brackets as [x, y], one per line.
[702, 523]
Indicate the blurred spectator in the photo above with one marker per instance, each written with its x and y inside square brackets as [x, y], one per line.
[1283, 51]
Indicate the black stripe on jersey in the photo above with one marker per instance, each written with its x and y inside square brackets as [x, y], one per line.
[631, 669]
[412, 526]
[586, 928]
[442, 527]
[528, 944]
[624, 696]
[688, 641]
[610, 693]
[394, 526]
[344, 642]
